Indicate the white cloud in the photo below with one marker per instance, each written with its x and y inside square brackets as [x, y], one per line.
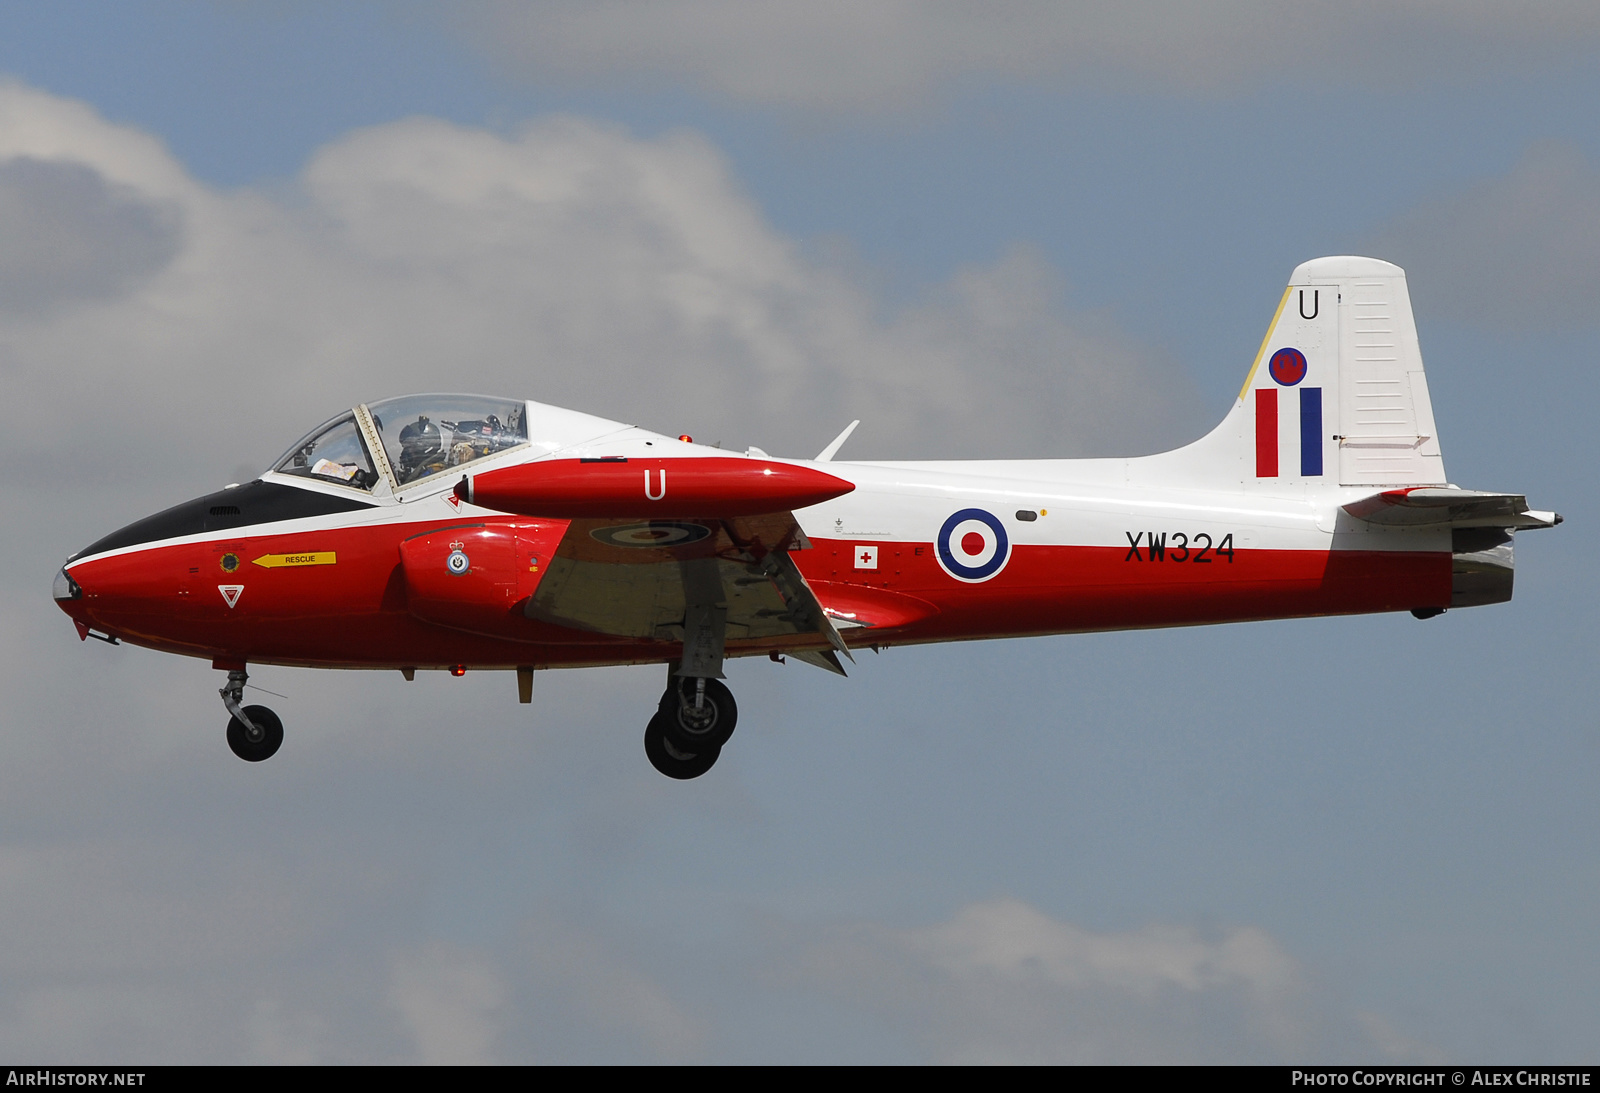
[450, 1000]
[1002, 982]
[1012, 941]
[70, 235]
[604, 991]
[166, 946]
[570, 262]
[1513, 252]
[836, 55]
[289, 914]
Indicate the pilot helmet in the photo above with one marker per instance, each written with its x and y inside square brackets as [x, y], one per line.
[420, 442]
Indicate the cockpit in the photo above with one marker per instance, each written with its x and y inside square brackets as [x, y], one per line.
[406, 440]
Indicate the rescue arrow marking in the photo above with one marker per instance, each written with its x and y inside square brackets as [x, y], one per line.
[275, 561]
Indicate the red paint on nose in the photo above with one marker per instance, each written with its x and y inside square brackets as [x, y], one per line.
[972, 543]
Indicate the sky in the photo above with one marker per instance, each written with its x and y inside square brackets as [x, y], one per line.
[1025, 229]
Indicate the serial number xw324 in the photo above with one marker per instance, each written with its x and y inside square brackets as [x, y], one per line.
[1177, 546]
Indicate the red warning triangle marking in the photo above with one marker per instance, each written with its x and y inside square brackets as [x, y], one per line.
[455, 502]
[230, 592]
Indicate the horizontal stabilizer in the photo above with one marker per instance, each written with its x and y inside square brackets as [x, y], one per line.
[1433, 506]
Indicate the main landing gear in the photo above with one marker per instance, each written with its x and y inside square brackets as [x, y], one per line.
[254, 732]
[694, 719]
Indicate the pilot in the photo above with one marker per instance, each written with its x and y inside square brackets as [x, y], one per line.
[421, 449]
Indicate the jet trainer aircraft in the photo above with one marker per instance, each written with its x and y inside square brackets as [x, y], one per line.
[451, 532]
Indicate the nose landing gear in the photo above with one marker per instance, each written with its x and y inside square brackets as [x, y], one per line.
[254, 732]
[258, 739]
[695, 718]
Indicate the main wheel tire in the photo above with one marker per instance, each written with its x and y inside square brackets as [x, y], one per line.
[692, 729]
[263, 744]
[671, 760]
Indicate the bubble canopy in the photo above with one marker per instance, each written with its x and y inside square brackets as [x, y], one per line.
[420, 435]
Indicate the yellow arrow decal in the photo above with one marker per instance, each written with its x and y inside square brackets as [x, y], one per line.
[275, 561]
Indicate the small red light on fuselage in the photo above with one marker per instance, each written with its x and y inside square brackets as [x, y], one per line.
[686, 438]
[458, 670]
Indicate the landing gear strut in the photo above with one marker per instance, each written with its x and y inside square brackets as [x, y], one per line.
[254, 732]
[695, 718]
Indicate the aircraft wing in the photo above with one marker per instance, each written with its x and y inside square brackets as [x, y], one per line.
[708, 565]
[1432, 506]
[647, 578]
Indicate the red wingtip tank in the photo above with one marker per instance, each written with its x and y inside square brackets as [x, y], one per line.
[712, 487]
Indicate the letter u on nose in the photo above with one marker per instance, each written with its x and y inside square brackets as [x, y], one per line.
[655, 496]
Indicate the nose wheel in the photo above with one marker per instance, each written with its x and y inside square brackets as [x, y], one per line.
[254, 732]
[693, 721]
[258, 738]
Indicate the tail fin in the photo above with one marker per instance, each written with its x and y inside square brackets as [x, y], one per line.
[1337, 395]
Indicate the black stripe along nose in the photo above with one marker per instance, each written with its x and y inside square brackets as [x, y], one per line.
[254, 503]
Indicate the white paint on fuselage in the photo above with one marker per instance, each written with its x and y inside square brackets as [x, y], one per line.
[1082, 502]
[908, 502]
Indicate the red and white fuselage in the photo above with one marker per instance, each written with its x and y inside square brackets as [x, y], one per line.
[573, 540]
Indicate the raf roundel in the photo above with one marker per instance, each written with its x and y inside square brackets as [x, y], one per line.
[972, 545]
[457, 563]
[1288, 366]
[657, 533]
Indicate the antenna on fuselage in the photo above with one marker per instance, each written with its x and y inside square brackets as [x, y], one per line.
[827, 454]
